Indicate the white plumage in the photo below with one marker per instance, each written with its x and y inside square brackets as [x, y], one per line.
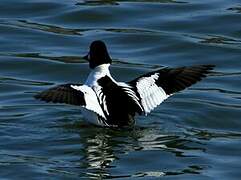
[106, 102]
[151, 95]
[91, 100]
[94, 97]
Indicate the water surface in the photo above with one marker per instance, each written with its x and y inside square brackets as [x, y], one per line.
[194, 134]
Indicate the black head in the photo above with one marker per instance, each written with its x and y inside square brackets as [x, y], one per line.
[98, 54]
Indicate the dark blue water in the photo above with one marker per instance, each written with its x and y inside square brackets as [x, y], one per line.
[194, 134]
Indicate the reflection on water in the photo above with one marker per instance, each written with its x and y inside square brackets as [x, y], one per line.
[103, 147]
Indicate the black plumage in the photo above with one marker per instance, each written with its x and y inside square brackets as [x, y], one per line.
[62, 94]
[121, 107]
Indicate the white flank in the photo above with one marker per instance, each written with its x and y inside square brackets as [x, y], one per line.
[151, 95]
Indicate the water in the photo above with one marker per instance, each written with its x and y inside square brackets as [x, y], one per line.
[194, 134]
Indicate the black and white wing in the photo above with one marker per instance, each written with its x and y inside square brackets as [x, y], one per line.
[154, 87]
[74, 94]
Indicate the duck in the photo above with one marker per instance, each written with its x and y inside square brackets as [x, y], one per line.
[106, 102]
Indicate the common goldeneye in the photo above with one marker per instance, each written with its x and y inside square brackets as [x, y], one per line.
[107, 102]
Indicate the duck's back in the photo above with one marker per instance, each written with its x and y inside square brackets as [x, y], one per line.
[118, 102]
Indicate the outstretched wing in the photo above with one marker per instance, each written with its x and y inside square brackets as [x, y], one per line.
[154, 87]
[74, 94]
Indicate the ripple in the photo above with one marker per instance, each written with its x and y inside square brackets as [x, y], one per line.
[227, 74]
[220, 40]
[217, 40]
[133, 64]
[204, 134]
[65, 59]
[219, 104]
[28, 9]
[79, 59]
[131, 30]
[236, 9]
[224, 91]
[114, 2]
[105, 147]
[15, 81]
[193, 169]
[74, 32]
[42, 27]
